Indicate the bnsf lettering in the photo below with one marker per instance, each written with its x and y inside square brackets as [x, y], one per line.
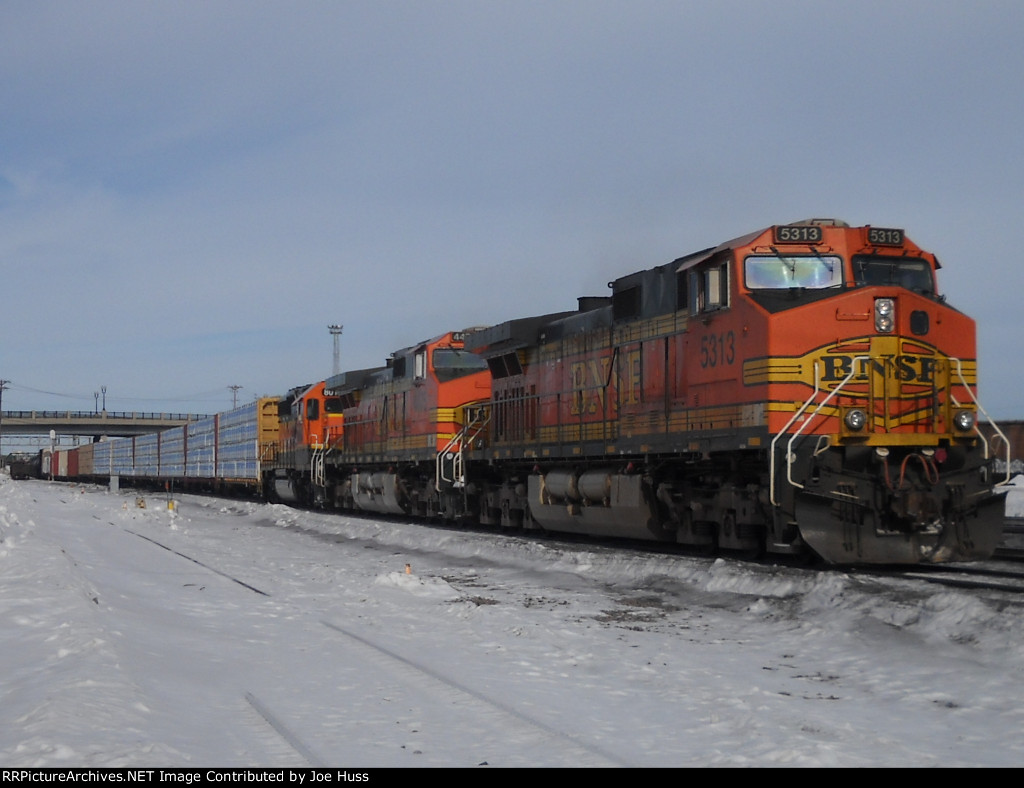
[909, 369]
[590, 378]
[630, 383]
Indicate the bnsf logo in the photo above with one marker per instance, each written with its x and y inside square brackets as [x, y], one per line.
[908, 369]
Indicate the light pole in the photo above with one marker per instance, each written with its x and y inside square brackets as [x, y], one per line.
[3, 388]
[234, 396]
[335, 330]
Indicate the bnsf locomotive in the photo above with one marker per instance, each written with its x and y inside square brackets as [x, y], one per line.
[804, 389]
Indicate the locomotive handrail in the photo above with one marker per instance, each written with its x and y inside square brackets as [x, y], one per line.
[837, 390]
[977, 404]
[316, 462]
[771, 466]
[804, 407]
[833, 393]
[476, 422]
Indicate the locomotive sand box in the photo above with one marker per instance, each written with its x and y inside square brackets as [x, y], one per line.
[804, 389]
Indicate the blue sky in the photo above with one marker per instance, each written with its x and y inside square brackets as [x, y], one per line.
[190, 192]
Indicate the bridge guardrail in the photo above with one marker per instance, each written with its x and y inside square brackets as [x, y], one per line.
[70, 415]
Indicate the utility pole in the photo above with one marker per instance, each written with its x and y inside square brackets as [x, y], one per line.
[234, 396]
[335, 330]
[3, 387]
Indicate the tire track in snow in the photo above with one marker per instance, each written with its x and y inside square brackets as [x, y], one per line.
[293, 740]
[199, 563]
[478, 698]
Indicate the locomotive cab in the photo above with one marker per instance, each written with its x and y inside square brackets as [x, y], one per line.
[311, 425]
[875, 455]
[408, 426]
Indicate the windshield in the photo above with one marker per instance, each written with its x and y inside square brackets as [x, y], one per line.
[909, 272]
[451, 363]
[776, 272]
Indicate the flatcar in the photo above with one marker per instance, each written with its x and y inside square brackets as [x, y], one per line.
[801, 390]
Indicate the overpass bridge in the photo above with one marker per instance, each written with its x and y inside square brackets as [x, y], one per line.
[92, 424]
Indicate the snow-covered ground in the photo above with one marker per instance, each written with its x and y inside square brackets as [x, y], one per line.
[1015, 498]
[220, 633]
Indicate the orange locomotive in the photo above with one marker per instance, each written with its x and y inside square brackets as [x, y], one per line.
[802, 389]
[309, 425]
[392, 439]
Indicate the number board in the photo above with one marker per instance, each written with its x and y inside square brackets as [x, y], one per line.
[885, 236]
[798, 234]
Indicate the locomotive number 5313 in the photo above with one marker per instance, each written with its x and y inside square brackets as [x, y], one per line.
[717, 349]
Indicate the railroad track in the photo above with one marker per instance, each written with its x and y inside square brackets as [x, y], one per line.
[988, 576]
[983, 576]
[966, 576]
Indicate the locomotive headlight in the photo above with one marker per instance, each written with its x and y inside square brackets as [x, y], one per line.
[885, 315]
[963, 420]
[855, 419]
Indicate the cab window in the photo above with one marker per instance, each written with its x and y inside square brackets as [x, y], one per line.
[781, 272]
[706, 288]
[452, 363]
[908, 272]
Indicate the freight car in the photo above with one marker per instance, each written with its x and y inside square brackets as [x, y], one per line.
[25, 467]
[801, 390]
[225, 452]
